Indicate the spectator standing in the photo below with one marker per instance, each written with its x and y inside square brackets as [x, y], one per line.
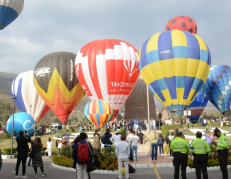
[161, 143]
[82, 150]
[22, 150]
[157, 124]
[0, 160]
[67, 127]
[31, 144]
[202, 121]
[154, 142]
[49, 146]
[134, 144]
[96, 144]
[205, 122]
[171, 137]
[59, 146]
[64, 142]
[141, 137]
[116, 138]
[123, 153]
[208, 138]
[37, 158]
[105, 139]
[167, 142]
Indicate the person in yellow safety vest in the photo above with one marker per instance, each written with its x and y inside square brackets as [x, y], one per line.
[180, 150]
[200, 152]
[222, 150]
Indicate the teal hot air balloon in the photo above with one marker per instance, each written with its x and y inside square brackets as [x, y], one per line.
[9, 11]
[217, 88]
[175, 64]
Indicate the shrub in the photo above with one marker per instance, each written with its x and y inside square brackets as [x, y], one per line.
[66, 151]
[63, 130]
[7, 151]
[62, 161]
[165, 128]
[44, 148]
[5, 136]
[123, 132]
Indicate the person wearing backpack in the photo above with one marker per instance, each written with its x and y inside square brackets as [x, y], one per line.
[105, 139]
[82, 153]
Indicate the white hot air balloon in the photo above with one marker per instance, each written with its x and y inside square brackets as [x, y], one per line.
[27, 97]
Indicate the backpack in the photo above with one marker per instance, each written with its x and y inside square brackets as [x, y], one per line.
[83, 153]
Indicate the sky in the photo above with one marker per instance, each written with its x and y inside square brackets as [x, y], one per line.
[47, 26]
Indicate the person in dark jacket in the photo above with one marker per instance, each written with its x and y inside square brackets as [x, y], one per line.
[0, 160]
[22, 150]
[105, 139]
[141, 137]
[31, 144]
[81, 167]
[37, 158]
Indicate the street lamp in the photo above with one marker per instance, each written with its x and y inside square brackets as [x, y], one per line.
[12, 129]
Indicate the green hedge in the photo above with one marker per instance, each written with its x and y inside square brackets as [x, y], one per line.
[62, 161]
[7, 151]
[5, 136]
[165, 128]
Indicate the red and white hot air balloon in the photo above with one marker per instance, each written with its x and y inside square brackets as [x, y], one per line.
[108, 69]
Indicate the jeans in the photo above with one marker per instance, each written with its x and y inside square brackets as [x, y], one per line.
[29, 161]
[107, 146]
[82, 171]
[134, 149]
[120, 163]
[154, 150]
[161, 148]
[19, 159]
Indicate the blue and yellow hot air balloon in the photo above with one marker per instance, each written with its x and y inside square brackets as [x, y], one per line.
[175, 64]
[98, 112]
[9, 11]
[217, 88]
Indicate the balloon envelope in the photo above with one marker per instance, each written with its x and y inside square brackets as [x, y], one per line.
[9, 11]
[108, 69]
[175, 64]
[98, 112]
[182, 23]
[27, 97]
[217, 88]
[22, 122]
[57, 84]
[197, 107]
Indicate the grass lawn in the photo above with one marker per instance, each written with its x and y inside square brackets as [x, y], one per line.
[6, 143]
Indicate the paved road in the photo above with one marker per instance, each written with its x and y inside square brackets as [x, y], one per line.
[8, 171]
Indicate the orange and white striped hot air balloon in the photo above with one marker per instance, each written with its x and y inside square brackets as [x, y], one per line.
[57, 84]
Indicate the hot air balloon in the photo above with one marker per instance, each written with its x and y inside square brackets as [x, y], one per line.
[27, 97]
[57, 84]
[108, 69]
[175, 64]
[182, 23]
[9, 11]
[217, 88]
[197, 107]
[98, 112]
[22, 122]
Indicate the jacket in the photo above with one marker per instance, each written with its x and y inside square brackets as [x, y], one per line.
[200, 146]
[122, 150]
[75, 151]
[107, 137]
[37, 159]
[222, 142]
[179, 145]
[0, 160]
[23, 147]
[96, 144]
[154, 140]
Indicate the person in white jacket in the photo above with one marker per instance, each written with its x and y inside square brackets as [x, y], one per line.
[116, 138]
[123, 153]
[49, 146]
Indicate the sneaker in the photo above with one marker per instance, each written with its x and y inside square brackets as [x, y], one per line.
[17, 176]
[44, 175]
[24, 176]
[36, 176]
[29, 165]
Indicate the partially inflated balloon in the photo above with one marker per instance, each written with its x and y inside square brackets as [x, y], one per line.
[27, 97]
[197, 107]
[57, 84]
[98, 112]
[175, 64]
[22, 122]
[182, 23]
[9, 11]
[217, 88]
[108, 69]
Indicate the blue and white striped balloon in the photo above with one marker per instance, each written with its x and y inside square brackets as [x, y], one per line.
[9, 11]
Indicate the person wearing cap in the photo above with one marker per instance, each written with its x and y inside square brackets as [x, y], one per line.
[200, 151]
[180, 150]
[222, 149]
[116, 138]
